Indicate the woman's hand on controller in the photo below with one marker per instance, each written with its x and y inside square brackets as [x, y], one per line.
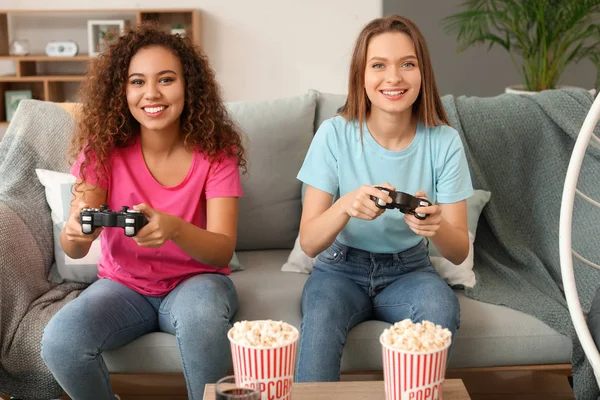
[358, 203]
[429, 226]
[73, 230]
[161, 227]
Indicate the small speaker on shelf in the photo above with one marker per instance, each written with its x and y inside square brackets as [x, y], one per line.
[62, 48]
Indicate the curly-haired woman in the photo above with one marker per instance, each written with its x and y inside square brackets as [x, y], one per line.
[154, 134]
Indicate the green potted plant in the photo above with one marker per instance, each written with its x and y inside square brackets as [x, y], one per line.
[105, 38]
[543, 37]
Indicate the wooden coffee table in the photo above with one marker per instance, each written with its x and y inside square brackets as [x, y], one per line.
[454, 389]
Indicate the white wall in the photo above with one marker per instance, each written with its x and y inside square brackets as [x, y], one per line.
[263, 49]
[260, 49]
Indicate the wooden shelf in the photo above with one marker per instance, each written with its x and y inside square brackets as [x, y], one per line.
[42, 78]
[45, 58]
[43, 75]
[104, 11]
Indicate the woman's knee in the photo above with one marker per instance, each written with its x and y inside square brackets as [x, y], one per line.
[442, 309]
[209, 317]
[72, 333]
[59, 342]
[320, 317]
[203, 298]
[433, 300]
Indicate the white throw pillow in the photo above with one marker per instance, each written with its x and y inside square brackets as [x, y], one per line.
[455, 275]
[58, 188]
[298, 261]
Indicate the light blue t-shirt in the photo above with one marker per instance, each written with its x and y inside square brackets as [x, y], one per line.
[338, 162]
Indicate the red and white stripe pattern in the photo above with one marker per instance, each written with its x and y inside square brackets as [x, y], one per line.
[273, 368]
[414, 376]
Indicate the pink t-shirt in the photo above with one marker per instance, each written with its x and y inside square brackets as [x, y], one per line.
[155, 272]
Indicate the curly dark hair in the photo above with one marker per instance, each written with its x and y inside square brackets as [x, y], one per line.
[106, 122]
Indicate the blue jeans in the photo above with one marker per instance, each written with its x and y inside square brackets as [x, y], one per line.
[349, 286]
[108, 315]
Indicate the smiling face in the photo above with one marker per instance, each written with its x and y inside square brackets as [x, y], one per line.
[392, 74]
[156, 88]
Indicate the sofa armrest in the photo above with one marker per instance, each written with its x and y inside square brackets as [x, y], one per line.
[23, 265]
[27, 302]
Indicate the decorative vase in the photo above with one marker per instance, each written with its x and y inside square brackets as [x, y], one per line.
[19, 47]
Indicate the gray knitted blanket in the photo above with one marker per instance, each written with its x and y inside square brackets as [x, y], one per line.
[518, 147]
[27, 299]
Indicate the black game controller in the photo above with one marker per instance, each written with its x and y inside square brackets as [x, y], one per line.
[130, 220]
[403, 202]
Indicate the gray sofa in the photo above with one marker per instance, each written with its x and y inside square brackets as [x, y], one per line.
[278, 135]
[489, 335]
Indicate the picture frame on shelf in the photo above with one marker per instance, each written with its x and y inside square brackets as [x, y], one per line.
[101, 33]
[12, 98]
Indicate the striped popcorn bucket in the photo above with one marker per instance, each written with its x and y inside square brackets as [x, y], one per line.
[272, 367]
[413, 376]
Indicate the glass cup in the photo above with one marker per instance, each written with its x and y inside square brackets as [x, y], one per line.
[240, 388]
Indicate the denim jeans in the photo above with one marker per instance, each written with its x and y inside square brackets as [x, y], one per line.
[108, 315]
[349, 286]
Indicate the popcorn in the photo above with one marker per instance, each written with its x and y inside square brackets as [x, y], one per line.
[422, 337]
[266, 333]
[266, 351]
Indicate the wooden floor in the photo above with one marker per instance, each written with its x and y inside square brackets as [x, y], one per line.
[509, 385]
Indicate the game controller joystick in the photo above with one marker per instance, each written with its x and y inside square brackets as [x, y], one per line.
[402, 201]
[130, 220]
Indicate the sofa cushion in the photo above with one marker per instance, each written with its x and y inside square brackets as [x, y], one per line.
[327, 106]
[489, 335]
[462, 275]
[278, 134]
